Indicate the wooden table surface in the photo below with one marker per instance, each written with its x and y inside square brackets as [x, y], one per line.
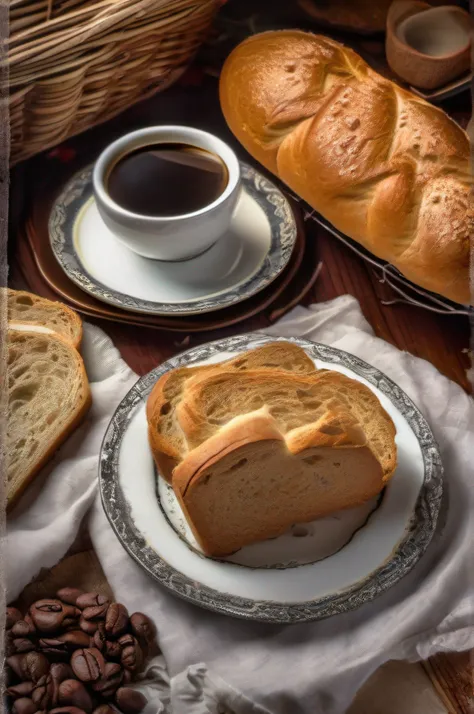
[441, 339]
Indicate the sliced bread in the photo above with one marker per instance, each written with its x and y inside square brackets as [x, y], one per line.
[294, 401]
[166, 438]
[250, 481]
[48, 395]
[33, 313]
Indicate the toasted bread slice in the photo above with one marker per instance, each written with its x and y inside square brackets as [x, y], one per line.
[167, 440]
[33, 313]
[249, 481]
[48, 395]
[295, 401]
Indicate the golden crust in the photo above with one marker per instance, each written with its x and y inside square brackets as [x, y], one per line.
[165, 453]
[71, 316]
[385, 167]
[332, 388]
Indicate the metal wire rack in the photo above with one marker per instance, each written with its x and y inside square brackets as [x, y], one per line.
[405, 291]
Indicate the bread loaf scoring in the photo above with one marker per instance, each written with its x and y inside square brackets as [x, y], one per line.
[385, 167]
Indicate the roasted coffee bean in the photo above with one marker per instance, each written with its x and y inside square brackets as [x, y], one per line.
[91, 600]
[73, 693]
[70, 623]
[116, 620]
[132, 653]
[23, 644]
[53, 647]
[99, 637]
[104, 709]
[43, 693]
[132, 658]
[88, 664]
[9, 647]
[22, 628]
[24, 689]
[24, 705]
[69, 595]
[30, 623]
[130, 701]
[110, 681]
[66, 710]
[31, 665]
[113, 650]
[96, 612]
[126, 640]
[74, 639]
[15, 663]
[59, 672]
[49, 615]
[10, 676]
[90, 627]
[13, 616]
[143, 628]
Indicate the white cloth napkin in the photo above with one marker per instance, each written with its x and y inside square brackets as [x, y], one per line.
[215, 664]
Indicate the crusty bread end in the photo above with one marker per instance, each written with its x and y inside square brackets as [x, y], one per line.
[48, 396]
[167, 441]
[30, 312]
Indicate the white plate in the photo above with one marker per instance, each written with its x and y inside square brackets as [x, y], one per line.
[320, 569]
[249, 257]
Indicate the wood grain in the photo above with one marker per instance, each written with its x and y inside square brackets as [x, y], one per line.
[452, 677]
[443, 340]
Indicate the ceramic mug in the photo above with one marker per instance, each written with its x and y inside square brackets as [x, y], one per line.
[168, 238]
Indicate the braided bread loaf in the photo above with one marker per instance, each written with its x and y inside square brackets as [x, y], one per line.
[385, 167]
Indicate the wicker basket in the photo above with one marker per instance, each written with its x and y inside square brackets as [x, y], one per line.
[76, 63]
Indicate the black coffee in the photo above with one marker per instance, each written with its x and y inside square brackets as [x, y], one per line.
[167, 180]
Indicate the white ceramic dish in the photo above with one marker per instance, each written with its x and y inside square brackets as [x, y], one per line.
[330, 566]
[172, 237]
[257, 248]
[437, 32]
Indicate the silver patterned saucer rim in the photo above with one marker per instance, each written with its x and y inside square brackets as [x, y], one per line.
[405, 555]
[275, 205]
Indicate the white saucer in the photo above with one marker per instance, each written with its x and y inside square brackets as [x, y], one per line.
[251, 255]
[315, 570]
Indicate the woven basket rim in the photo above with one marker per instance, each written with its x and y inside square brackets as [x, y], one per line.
[67, 75]
[98, 24]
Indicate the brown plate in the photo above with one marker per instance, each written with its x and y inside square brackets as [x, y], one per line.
[363, 18]
[43, 268]
[360, 17]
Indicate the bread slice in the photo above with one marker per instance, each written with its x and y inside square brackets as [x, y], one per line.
[48, 395]
[249, 481]
[166, 438]
[33, 313]
[294, 401]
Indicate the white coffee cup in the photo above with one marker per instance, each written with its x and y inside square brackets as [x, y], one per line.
[168, 238]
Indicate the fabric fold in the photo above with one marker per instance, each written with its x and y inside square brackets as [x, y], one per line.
[219, 665]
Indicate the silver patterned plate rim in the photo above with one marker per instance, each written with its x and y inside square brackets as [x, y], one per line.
[406, 555]
[78, 190]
